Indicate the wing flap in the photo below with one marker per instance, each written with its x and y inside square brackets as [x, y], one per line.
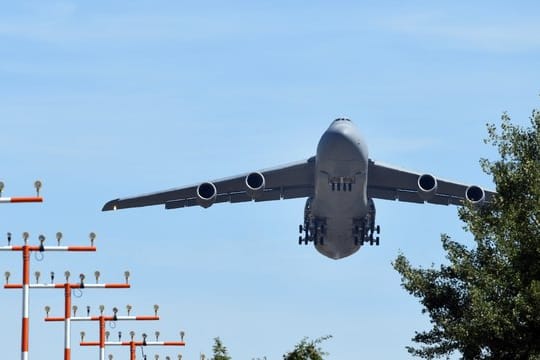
[239, 197]
[296, 192]
[441, 200]
[380, 193]
[269, 195]
[409, 196]
[175, 204]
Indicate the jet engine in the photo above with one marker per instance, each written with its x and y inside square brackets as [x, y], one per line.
[427, 186]
[206, 194]
[475, 194]
[255, 183]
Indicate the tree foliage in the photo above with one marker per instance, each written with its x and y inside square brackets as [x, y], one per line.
[485, 303]
[304, 350]
[219, 350]
[307, 350]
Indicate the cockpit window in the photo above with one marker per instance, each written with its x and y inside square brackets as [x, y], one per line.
[342, 119]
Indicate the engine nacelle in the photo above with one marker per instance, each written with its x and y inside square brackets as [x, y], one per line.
[255, 183]
[475, 194]
[427, 186]
[206, 194]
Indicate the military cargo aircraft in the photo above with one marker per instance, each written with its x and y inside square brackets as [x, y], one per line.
[339, 182]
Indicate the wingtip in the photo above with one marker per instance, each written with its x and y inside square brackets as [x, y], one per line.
[111, 205]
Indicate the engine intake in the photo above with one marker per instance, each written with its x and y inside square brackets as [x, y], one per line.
[427, 186]
[206, 194]
[255, 183]
[475, 194]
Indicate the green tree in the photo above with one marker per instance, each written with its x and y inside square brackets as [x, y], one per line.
[219, 350]
[485, 303]
[307, 350]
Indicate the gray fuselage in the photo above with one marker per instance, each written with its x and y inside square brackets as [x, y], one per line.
[340, 196]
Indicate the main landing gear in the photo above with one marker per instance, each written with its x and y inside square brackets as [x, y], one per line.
[363, 234]
[313, 230]
[366, 235]
[365, 230]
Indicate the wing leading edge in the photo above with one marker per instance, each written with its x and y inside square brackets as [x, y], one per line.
[392, 183]
[283, 182]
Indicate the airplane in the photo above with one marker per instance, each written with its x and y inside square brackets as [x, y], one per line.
[339, 182]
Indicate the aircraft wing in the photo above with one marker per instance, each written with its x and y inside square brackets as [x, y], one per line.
[283, 182]
[392, 183]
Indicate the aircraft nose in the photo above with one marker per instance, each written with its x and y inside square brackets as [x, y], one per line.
[343, 127]
[342, 141]
[342, 119]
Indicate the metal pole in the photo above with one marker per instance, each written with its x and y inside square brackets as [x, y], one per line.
[25, 318]
[101, 337]
[67, 322]
[28, 199]
[132, 350]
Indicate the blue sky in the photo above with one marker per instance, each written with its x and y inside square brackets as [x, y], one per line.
[101, 99]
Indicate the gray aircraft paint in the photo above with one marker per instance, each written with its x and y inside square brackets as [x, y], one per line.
[340, 183]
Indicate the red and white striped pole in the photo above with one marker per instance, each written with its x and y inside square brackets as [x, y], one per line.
[21, 199]
[26, 250]
[28, 199]
[25, 326]
[102, 320]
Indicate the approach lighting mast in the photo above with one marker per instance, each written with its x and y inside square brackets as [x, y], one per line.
[21, 199]
[102, 319]
[26, 250]
[133, 344]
